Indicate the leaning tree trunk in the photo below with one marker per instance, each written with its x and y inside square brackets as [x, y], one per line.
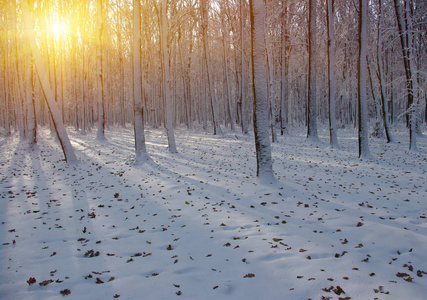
[362, 77]
[68, 150]
[259, 91]
[331, 72]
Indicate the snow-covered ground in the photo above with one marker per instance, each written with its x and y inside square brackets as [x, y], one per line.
[198, 225]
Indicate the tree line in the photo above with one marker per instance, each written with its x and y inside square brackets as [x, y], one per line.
[192, 63]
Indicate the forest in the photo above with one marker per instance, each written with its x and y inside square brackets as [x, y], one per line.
[193, 62]
[209, 149]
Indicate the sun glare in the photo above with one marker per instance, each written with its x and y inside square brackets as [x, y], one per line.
[59, 29]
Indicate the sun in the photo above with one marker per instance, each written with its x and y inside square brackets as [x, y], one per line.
[59, 29]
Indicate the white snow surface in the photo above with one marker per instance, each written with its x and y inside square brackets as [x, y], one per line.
[199, 225]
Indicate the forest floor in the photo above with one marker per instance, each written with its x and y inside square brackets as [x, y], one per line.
[198, 224]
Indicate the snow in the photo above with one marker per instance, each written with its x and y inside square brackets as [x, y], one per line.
[198, 224]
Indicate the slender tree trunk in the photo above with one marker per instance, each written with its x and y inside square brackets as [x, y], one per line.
[227, 77]
[140, 149]
[122, 117]
[378, 116]
[381, 75]
[166, 76]
[404, 22]
[100, 136]
[68, 150]
[284, 70]
[185, 83]
[259, 91]
[362, 78]
[211, 88]
[243, 104]
[312, 49]
[30, 104]
[331, 72]
[6, 111]
[270, 93]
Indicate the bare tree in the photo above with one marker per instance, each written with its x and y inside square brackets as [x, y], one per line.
[312, 45]
[259, 91]
[100, 82]
[67, 149]
[381, 74]
[404, 22]
[331, 71]
[362, 78]
[166, 77]
[140, 149]
[211, 88]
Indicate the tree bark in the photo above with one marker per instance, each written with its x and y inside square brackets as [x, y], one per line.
[100, 136]
[243, 104]
[331, 72]
[404, 22]
[362, 78]
[284, 70]
[166, 77]
[211, 89]
[312, 45]
[227, 77]
[140, 149]
[259, 91]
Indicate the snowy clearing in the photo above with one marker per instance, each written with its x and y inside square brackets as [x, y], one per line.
[198, 225]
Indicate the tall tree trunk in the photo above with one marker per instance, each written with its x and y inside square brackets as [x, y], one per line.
[284, 70]
[404, 22]
[270, 91]
[30, 104]
[312, 49]
[381, 75]
[259, 91]
[140, 149]
[362, 78]
[211, 88]
[331, 72]
[166, 76]
[185, 85]
[68, 150]
[227, 77]
[6, 112]
[122, 117]
[100, 136]
[243, 104]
